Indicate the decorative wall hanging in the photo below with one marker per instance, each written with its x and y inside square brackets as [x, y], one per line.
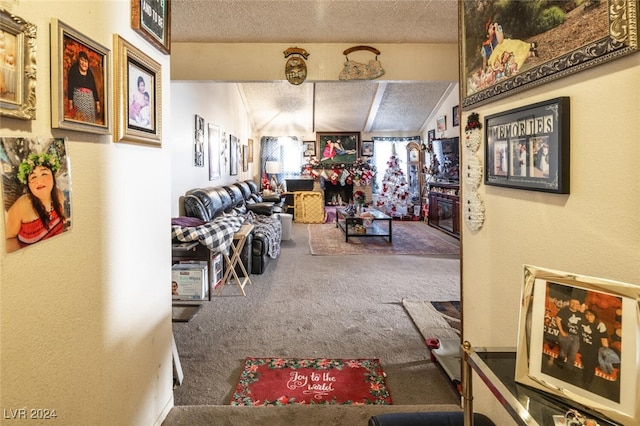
[233, 155]
[214, 152]
[80, 95]
[337, 147]
[358, 71]
[198, 158]
[509, 46]
[17, 67]
[528, 147]
[138, 118]
[295, 69]
[472, 204]
[152, 20]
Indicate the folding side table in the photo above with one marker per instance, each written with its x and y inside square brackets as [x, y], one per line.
[239, 239]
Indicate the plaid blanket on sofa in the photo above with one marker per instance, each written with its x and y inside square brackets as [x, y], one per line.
[271, 228]
[217, 235]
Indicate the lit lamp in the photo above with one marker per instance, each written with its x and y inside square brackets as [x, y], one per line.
[273, 168]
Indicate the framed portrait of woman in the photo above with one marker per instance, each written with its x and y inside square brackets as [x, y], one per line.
[138, 95]
[80, 95]
[17, 67]
[36, 185]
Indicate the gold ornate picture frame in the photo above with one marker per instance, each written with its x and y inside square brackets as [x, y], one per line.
[17, 67]
[80, 79]
[138, 95]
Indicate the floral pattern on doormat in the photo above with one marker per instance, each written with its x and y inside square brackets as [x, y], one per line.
[287, 381]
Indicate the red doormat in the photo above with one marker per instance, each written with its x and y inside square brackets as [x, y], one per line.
[285, 381]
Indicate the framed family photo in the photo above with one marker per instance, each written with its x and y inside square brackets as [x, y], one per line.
[138, 95]
[17, 67]
[337, 147]
[528, 147]
[152, 20]
[508, 46]
[578, 341]
[441, 123]
[80, 92]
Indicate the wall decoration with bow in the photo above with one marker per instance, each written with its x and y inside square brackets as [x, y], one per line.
[358, 71]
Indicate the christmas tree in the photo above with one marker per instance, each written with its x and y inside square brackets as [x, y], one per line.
[395, 190]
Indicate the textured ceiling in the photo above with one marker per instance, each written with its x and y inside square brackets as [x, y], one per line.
[279, 108]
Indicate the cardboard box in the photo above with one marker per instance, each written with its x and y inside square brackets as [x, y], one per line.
[190, 281]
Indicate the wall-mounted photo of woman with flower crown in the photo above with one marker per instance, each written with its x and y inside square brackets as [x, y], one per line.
[36, 185]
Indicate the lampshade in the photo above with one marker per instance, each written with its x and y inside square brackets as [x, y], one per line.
[273, 167]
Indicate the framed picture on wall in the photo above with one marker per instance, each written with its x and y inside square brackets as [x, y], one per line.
[198, 159]
[18, 68]
[455, 116]
[601, 317]
[337, 147]
[431, 135]
[309, 148]
[80, 94]
[528, 147]
[233, 155]
[152, 20]
[441, 123]
[250, 151]
[138, 100]
[509, 46]
[367, 149]
[214, 151]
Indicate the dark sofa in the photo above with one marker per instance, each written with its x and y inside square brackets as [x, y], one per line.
[209, 203]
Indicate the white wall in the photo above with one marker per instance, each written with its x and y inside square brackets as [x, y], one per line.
[86, 316]
[219, 104]
[592, 231]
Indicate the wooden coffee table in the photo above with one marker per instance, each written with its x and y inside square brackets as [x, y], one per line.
[347, 223]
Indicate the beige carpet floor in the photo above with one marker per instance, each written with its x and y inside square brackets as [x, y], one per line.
[307, 306]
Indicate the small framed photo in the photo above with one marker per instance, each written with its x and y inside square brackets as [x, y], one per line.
[198, 159]
[152, 20]
[431, 135]
[309, 148]
[528, 147]
[214, 152]
[250, 150]
[337, 147]
[80, 95]
[579, 340]
[138, 95]
[441, 123]
[455, 116]
[367, 149]
[17, 67]
[233, 155]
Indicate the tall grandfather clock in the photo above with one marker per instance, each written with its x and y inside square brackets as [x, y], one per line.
[415, 158]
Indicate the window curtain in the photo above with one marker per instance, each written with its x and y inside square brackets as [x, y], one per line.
[284, 149]
[382, 150]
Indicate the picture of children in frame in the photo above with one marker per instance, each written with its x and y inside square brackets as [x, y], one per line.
[338, 148]
[36, 187]
[8, 72]
[140, 97]
[582, 340]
